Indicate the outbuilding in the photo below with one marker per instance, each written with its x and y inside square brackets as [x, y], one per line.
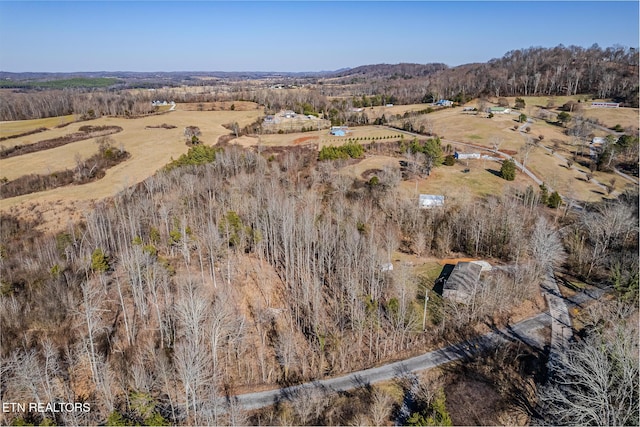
[428, 201]
[461, 284]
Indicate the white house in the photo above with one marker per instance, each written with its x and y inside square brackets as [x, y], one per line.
[444, 103]
[465, 156]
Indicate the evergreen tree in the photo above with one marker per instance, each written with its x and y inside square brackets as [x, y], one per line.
[508, 170]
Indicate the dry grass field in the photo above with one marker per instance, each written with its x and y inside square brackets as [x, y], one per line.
[451, 181]
[609, 117]
[375, 112]
[218, 106]
[150, 150]
[368, 163]
[18, 127]
[456, 185]
[455, 125]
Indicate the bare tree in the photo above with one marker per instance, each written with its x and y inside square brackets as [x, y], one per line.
[595, 382]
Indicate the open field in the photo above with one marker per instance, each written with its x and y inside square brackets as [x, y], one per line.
[368, 163]
[150, 150]
[609, 117]
[454, 125]
[218, 106]
[18, 127]
[375, 112]
[457, 185]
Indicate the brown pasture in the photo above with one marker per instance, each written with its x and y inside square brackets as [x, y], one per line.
[322, 138]
[17, 127]
[475, 129]
[456, 185]
[150, 150]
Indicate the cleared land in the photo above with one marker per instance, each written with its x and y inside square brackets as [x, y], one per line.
[364, 134]
[18, 127]
[150, 150]
[455, 125]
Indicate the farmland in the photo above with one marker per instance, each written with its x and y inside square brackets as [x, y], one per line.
[152, 148]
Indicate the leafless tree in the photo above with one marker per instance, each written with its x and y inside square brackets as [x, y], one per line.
[595, 382]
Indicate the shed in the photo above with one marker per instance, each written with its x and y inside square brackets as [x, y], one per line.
[428, 201]
[462, 282]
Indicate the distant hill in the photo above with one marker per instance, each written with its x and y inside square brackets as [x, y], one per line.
[402, 70]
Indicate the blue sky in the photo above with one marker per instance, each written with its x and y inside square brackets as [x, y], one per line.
[72, 36]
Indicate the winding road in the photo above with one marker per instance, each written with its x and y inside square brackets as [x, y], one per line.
[526, 331]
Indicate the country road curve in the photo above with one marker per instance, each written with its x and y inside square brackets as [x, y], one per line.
[525, 331]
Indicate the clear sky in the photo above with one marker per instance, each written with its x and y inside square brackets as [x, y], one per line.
[67, 36]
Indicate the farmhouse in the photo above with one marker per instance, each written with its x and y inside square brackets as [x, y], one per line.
[461, 283]
[465, 156]
[428, 201]
[444, 103]
[499, 110]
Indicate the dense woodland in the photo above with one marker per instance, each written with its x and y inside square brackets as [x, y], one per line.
[604, 73]
[209, 279]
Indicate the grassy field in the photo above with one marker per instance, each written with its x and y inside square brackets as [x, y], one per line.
[18, 127]
[454, 125]
[456, 185]
[150, 150]
[609, 117]
[375, 112]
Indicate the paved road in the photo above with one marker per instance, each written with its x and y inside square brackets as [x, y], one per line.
[525, 331]
[561, 329]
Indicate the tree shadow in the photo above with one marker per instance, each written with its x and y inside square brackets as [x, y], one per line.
[494, 172]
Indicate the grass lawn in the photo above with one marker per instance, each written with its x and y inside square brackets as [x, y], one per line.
[456, 185]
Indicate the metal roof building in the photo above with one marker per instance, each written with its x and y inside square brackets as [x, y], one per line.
[462, 282]
[427, 201]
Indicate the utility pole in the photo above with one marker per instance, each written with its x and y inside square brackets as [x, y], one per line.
[424, 315]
